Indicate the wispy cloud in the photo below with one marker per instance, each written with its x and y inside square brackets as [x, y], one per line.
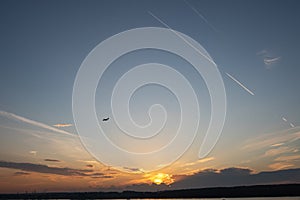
[32, 122]
[137, 170]
[31, 167]
[280, 165]
[33, 152]
[268, 58]
[51, 160]
[205, 159]
[64, 171]
[267, 140]
[288, 158]
[277, 145]
[262, 52]
[240, 84]
[277, 151]
[62, 125]
[270, 61]
[21, 173]
[101, 175]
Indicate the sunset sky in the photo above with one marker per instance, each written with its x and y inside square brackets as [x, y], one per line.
[255, 45]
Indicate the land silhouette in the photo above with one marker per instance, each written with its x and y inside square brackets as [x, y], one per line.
[282, 190]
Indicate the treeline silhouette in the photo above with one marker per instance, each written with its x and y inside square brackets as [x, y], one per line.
[217, 192]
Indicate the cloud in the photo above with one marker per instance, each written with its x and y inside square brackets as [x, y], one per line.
[277, 145]
[277, 151]
[280, 165]
[106, 176]
[62, 125]
[21, 173]
[288, 158]
[133, 169]
[262, 52]
[235, 171]
[267, 140]
[30, 167]
[33, 152]
[277, 148]
[100, 175]
[51, 160]
[270, 61]
[236, 176]
[32, 122]
[205, 159]
[89, 166]
[268, 58]
[233, 176]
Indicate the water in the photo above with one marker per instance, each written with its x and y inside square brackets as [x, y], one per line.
[254, 198]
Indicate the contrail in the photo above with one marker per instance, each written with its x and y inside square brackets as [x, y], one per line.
[285, 120]
[196, 49]
[200, 15]
[32, 122]
[187, 42]
[238, 82]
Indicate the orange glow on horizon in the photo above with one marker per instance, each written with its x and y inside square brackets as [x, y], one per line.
[162, 178]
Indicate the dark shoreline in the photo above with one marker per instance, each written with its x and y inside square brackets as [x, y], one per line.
[284, 190]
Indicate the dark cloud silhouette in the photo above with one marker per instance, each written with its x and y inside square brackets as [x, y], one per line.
[45, 169]
[132, 169]
[222, 178]
[30, 167]
[51, 160]
[89, 165]
[235, 177]
[97, 174]
[100, 175]
[21, 173]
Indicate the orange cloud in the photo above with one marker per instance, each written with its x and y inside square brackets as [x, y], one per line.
[277, 151]
[62, 125]
[280, 165]
[288, 158]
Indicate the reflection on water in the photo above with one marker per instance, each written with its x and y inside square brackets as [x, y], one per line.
[253, 198]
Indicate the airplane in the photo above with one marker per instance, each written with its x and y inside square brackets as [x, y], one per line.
[105, 119]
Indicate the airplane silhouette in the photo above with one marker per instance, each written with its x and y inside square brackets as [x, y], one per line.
[105, 119]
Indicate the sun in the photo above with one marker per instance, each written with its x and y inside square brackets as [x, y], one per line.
[162, 178]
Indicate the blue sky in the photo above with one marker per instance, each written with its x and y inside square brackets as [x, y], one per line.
[41, 55]
[43, 44]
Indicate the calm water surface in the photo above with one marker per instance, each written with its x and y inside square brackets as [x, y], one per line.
[254, 198]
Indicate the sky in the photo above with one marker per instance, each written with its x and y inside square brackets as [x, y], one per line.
[254, 44]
